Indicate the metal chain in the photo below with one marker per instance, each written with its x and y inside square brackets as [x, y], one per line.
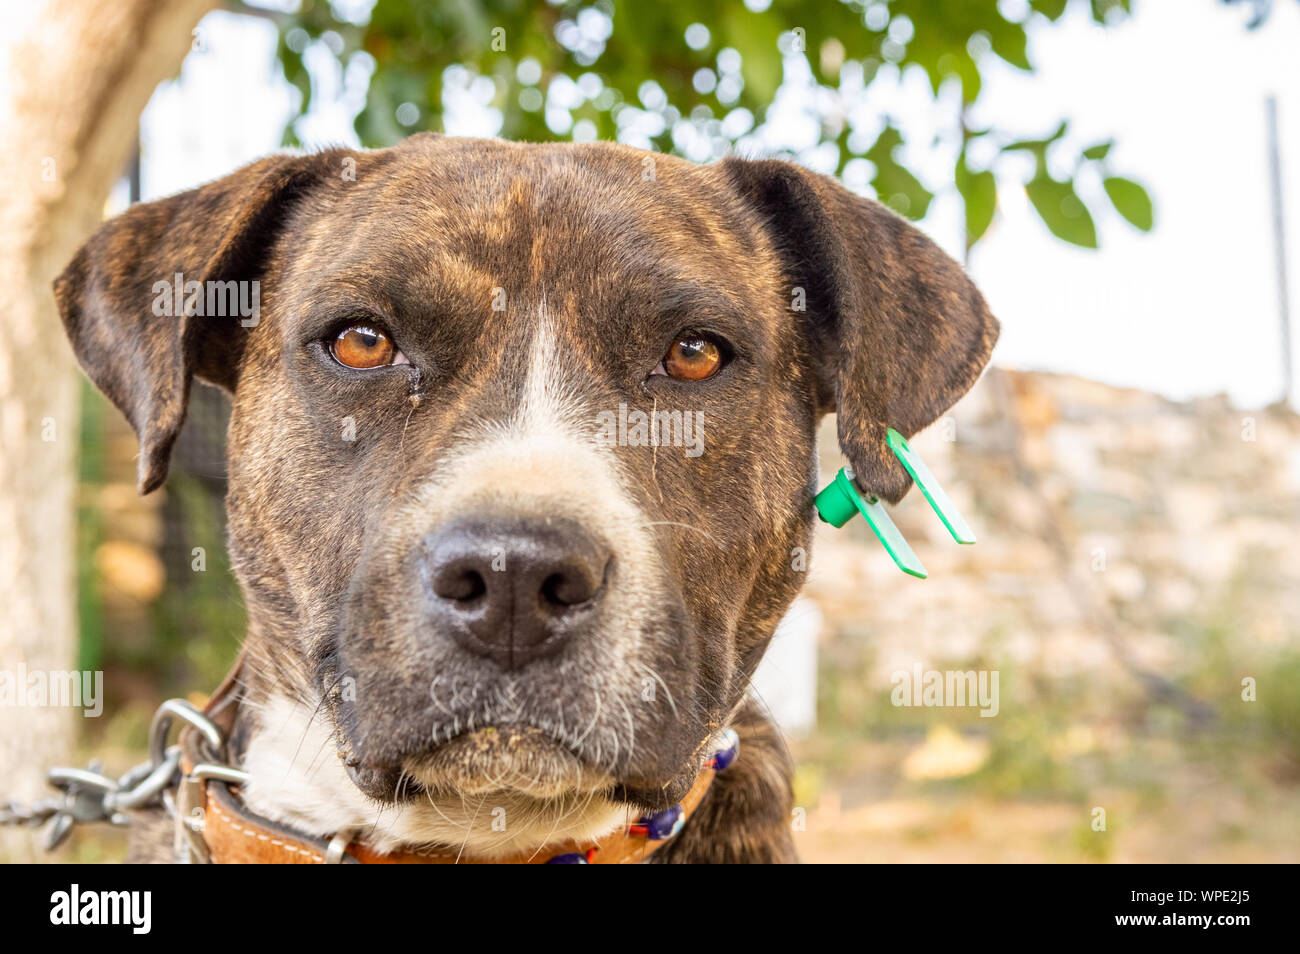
[89, 796]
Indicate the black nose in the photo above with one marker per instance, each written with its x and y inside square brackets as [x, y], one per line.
[514, 590]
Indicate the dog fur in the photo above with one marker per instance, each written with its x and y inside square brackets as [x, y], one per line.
[531, 287]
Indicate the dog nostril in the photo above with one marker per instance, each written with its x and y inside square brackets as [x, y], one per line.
[464, 586]
[567, 589]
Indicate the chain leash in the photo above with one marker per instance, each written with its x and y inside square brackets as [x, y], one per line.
[88, 796]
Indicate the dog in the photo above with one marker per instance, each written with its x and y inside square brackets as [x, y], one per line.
[468, 599]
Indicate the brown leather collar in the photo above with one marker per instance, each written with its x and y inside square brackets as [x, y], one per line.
[213, 824]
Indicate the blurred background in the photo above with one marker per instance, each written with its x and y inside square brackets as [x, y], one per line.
[1117, 177]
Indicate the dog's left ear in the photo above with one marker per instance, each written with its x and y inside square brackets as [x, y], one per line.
[143, 356]
[899, 332]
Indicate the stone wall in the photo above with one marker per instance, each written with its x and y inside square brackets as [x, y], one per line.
[1120, 535]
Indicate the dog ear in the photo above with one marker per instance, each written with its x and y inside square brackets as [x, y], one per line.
[899, 332]
[116, 296]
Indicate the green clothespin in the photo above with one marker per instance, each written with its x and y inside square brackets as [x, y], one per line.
[840, 499]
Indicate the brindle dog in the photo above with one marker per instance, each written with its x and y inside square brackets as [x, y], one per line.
[464, 594]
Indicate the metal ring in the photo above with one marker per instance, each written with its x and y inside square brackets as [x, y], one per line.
[221, 773]
[135, 776]
[59, 777]
[162, 723]
[149, 786]
[338, 846]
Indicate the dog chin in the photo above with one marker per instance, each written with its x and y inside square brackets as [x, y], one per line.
[519, 760]
[294, 780]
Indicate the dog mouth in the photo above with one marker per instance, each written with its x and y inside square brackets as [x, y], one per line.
[522, 759]
[495, 759]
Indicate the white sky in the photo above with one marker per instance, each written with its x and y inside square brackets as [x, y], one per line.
[1188, 309]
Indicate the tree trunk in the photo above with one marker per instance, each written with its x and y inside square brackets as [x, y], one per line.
[79, 73]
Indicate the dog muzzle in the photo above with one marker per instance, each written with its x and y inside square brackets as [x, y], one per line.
[213, 826]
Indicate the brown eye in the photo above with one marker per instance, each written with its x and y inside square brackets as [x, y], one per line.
[692, 359]
[360, 346]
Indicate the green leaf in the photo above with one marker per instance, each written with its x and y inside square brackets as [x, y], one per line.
[1011, 43]
[755, 36]
[979, 191]
[895, 185]
[1052, 9]
[1131, 201]
[1099, 151]
[1062, 211]
[1038, 146]
[1114, 10]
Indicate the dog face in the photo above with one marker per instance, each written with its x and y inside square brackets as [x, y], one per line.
[521, 452]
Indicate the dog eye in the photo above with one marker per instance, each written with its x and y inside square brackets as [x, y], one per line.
[363, 347]
[692, 358]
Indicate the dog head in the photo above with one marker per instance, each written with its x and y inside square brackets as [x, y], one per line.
[522, 441]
